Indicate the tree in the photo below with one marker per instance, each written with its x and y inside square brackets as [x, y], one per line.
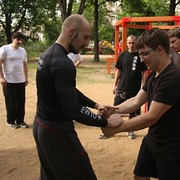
[25, 15]
[12, 15]
[96, 26]
[66, 7]
[66, 10]
[148, 8]
[172, 8]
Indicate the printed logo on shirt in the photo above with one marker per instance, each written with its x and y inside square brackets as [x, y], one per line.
[40, 63]
[134, 63]
[88, 113]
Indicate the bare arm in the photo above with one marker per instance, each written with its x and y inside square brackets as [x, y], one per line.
[116, 78]
[78, 63]
[142, 121]
[143, 75]
[132, 104]
[2, 79]
[25, 71]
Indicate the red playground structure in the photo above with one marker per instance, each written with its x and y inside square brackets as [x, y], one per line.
[145, 23]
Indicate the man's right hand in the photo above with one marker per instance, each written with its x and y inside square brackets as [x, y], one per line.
[114, 120]
[3, 82]
[114, 90]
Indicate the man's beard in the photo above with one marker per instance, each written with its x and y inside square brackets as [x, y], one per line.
[72, 49]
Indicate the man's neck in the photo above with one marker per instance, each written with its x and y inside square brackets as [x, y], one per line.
[132, 51]
[14, 46]
[163, 66]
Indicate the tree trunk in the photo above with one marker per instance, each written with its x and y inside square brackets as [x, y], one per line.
[172, 8]
[96, 38]
[8, 28]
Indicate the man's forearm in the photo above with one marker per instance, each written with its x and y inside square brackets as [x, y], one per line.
[128, 106]
[1, 72]
[26, 71]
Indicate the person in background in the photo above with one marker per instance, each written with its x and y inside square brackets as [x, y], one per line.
[14, 78]
[61, 153]
[174, 35]
[159, 154]
[76, 58]
[129, 74]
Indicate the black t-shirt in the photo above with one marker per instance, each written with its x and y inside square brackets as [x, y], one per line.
[58, 98]
[164, 136]
[176, 59]
[131, 67]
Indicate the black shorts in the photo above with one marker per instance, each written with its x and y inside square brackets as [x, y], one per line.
[118, 99]
[151, 165]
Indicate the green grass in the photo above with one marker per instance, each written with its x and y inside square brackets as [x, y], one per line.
[88, 72]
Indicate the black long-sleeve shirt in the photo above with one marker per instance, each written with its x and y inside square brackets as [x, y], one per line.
[58, 98]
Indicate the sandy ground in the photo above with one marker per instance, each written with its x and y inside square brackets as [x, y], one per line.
[112, 159]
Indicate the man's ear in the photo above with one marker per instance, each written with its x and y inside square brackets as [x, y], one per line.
[160, 50]
[71, 31]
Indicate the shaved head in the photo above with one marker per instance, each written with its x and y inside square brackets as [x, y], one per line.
[75, 33]
[77, 21]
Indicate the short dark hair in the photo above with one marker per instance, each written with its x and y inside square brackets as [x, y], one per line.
[18, 35]
[175, 32]
[153, 38]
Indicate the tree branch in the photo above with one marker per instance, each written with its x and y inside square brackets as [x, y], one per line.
[106, 1]
[177, 3]
[4, 27]
[81, 7]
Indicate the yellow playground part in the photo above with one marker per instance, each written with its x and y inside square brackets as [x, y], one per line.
[106, 43]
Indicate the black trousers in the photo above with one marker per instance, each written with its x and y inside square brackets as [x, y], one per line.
[14, 94]
[60, 152]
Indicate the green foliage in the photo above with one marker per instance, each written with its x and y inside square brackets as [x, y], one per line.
[34, 46]
[51, 30]
[159, 8]
[106, 33]
[2, 38]
[131, 7]
[143, 8]
[35, 17]
[25, 15]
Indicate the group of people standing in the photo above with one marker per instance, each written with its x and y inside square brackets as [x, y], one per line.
[59, 102]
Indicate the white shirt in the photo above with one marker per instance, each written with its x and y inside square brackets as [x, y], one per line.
[74, 57]
[13, 63]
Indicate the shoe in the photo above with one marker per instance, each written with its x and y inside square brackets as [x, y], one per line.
[23, 125]
[102, 136]
[13, 125]
[131, 135]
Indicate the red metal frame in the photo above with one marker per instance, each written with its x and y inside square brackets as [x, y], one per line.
[130, 22]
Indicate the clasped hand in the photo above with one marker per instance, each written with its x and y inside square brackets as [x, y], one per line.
[114, 120]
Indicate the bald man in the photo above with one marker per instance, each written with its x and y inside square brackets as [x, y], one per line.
[128, 76]
[59, 103]
[174, 35]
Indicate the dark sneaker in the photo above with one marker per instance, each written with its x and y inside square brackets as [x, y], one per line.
[13, 125]
[131, 135]
[23, 125]
[102, 136]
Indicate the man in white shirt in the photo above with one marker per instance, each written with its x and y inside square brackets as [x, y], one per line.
[76, 58]
[14, 78]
